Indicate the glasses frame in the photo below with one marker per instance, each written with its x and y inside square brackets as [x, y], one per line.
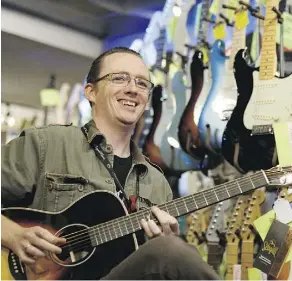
[132, 77]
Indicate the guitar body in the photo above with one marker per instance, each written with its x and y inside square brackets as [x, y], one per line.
[173, 155]
[150, 149]
[92, 263]
[220, 101]
[188, 132]
[261, 147]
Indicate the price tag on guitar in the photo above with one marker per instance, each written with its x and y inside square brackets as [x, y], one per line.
[241, 19]
[219, 31]
[283, 137]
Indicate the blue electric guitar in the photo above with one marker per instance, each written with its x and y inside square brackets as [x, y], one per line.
[171, 151]
[223, 93]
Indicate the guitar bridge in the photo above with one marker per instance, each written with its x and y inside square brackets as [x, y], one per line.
[262, 130]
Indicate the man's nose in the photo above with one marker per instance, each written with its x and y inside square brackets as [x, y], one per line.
[132, 86]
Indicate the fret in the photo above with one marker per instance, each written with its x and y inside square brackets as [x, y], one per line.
[205, 198]
[126, 226]
[216, 195]
[238, 186]
[99, 234]
[186, 206]
[176, 208]
[95, 236]
[114, 231]
[226, 190]
[110, 234]
[251, 182]
[193, 196]
[118, 223]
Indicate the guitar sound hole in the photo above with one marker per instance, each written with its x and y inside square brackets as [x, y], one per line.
[78, 247]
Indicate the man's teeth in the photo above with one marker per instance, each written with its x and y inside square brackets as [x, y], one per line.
[130, 103]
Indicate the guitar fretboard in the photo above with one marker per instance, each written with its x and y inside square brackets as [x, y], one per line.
[268, 57]
[129, 224]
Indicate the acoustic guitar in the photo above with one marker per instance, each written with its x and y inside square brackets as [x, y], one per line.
[97, 240]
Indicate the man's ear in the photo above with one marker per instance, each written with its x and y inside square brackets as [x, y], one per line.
[90, 92]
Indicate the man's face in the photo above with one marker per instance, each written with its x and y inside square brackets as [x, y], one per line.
[110, 100]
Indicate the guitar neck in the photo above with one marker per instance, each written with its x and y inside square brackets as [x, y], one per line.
[268, 58]
[238, 42]
[247, 249]
[231, 258]
[129, 224]
[215, 255]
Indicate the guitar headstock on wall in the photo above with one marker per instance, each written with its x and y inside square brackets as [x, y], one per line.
[232, 237]
[217, 223]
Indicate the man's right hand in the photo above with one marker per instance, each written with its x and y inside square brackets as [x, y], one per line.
[30, 243]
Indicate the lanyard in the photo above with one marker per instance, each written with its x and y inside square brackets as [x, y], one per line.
[104, 159]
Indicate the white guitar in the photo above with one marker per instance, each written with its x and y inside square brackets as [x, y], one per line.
[271, 99]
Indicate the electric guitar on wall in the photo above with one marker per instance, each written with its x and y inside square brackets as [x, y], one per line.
[262, 101]
[188, 132]
[172, 153]
[93, 234]
[223, 94]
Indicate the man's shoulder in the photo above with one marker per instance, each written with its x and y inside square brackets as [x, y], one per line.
[53, 130]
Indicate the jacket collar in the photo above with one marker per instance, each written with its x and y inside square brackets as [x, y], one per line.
[93, 135]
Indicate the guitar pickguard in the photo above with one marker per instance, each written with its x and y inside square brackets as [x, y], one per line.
[271, 102]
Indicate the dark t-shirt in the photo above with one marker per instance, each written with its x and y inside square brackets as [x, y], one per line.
[122, 167]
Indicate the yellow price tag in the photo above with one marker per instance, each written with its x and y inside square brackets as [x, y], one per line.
[219, 31]
[241, 19]
[205, 53]
[283, 136]
[214, 9]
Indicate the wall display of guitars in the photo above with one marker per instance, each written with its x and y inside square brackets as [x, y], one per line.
[231, 238]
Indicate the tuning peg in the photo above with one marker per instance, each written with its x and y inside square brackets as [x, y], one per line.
[228, 7]
[279, 15]
[237, 232]
[226, 20]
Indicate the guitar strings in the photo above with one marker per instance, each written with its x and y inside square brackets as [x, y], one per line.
[216, 189]
[107, 225]
[111, 223]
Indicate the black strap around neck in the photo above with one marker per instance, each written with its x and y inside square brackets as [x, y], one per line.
[104, 159]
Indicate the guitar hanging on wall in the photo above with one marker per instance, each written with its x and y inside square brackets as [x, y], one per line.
[223, 93]
[262, 101]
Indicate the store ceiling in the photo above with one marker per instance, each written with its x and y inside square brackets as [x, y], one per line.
[26, 65]
[99, 18]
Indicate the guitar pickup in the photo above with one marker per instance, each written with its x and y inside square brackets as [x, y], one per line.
[260, 102]
[265, 117]
[262, 130]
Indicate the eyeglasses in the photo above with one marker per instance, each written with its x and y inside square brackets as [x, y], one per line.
[123, 80]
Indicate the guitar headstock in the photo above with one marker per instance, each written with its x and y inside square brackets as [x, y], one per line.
[279, 176]
[217, 222]
[252, 213]
[235, 220]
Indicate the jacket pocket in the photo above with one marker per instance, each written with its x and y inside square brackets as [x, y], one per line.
[62, 190]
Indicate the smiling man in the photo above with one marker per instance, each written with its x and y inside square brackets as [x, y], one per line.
[52, 167]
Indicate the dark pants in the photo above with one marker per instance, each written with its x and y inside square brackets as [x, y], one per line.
[164, 258]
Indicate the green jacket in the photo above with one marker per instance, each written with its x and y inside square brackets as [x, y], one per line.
[49, 168]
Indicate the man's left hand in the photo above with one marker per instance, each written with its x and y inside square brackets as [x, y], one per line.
[168, 224]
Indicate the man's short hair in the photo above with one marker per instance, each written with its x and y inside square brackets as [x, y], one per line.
[95, 68]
